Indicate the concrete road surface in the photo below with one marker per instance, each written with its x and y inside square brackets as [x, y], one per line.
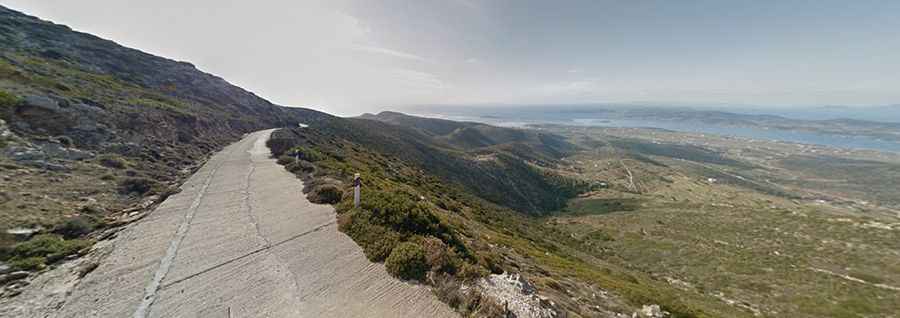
[241, 240]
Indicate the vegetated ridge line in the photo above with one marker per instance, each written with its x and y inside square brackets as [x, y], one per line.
[150, 292]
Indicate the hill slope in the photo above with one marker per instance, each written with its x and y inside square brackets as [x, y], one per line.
[89, 128]
[470, 212]
[506, 169]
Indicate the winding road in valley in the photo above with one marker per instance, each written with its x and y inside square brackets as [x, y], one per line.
[240, 240]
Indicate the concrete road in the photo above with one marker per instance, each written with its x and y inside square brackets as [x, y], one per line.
[241, 240]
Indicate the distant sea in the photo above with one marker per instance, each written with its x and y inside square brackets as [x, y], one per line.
[522, 118]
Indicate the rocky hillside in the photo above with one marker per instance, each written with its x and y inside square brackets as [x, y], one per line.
[533, 145]
[89, 128]
[506, 168]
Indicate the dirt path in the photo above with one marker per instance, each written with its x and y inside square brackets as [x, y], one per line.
[240, 240]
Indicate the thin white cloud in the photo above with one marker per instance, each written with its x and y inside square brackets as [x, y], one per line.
[388, 52]
[420, 81]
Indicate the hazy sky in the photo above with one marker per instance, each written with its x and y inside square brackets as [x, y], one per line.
[348, 56]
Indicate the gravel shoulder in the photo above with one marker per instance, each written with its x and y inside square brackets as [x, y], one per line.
[239, 240]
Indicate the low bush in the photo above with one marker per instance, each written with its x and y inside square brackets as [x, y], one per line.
[92, 210]
[402, 212]
[298, 167]
[490, 307]
[47, 247]
[448, 290]
[437, 256]
[65, 141]
[137, 185]
[469, 272]
[376, 241]
[76, 227]
[407, 261]
[113, 161]
[325, 194]
[28, 263]
[307, 154]
[8, 99]
[7, 241]
[285, 160]
[279, 146]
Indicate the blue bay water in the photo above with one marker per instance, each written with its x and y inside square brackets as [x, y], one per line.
[804, 137]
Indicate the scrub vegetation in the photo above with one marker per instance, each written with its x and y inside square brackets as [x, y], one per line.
[463, 232]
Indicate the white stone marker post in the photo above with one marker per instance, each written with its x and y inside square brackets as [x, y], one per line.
[357, 183]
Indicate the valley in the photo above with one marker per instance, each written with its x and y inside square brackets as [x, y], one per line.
[773, 228]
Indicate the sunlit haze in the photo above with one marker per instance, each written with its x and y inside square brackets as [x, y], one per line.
[349, 57]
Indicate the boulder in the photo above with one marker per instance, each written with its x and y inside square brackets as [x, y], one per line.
[23, 153]
[58, 151]
[651, 311]
[43, 102]
[4, 129]
[519, 296]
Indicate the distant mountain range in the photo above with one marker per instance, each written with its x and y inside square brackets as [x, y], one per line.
[831, 120]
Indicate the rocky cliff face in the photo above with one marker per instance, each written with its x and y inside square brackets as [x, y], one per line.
[89, 125]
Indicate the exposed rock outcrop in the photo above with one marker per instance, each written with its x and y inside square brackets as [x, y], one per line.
[517, 295]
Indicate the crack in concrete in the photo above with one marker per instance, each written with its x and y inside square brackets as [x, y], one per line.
[251, 253]
[250, 212]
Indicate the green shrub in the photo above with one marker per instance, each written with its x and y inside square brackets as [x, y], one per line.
[28, 263]
[376, 241]
[470, 272]
[52, 247]
[92, 210]
[407, 261]
[326, 194]
[113, 161]
[137, 185]
[307, 154]
[279, 146]
[285, 160]
[76, 227]
[401, 215]
[65, 141]
[449, 291]
[403, 212]
[7, 241]
[8, 99]
[436, 255]
[301, 166]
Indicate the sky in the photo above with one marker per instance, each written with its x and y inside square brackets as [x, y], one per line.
[353, 56]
